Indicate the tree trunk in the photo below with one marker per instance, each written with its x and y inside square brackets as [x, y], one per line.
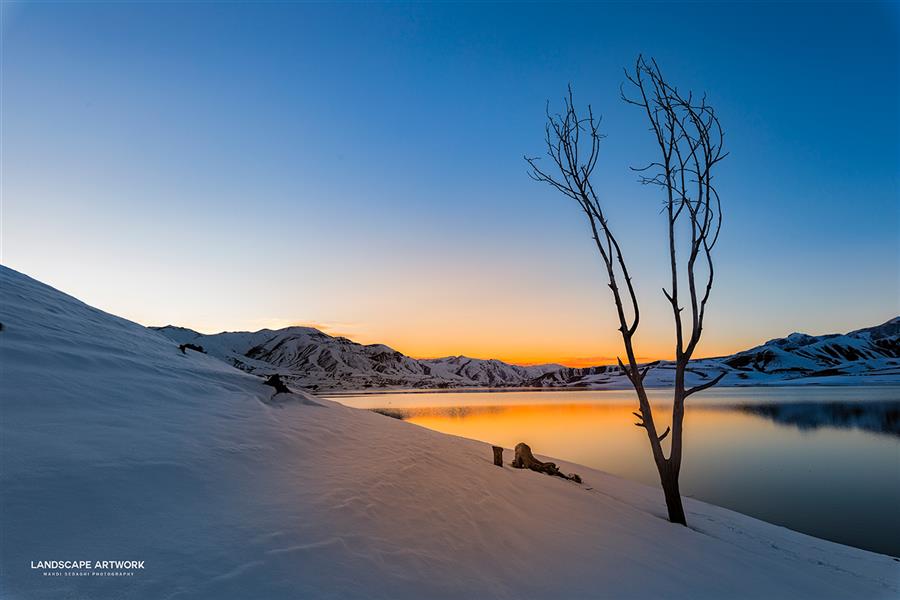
[498, 455]
[668, 477]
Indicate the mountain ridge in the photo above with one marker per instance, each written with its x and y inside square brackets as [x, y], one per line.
[314, 360]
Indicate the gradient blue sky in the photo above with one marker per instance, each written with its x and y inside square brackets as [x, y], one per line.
[359, 166]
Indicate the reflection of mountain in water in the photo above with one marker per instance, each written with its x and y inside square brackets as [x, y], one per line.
[880, 417]
[456, 412]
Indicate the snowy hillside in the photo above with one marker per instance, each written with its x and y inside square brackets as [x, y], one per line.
[868, 353]
[118, 446]
[315, 361]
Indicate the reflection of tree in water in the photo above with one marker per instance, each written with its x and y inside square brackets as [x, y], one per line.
[880, 417]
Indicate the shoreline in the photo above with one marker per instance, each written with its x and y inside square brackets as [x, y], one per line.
[500, 390]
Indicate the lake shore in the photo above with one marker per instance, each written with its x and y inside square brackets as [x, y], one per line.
[765, 452]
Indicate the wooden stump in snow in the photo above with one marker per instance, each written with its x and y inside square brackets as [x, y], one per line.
[524, 459]
[275, 381]
[498, 455]
[193, 347]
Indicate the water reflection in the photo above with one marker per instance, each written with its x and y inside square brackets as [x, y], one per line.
[822, 461]
[878, 417]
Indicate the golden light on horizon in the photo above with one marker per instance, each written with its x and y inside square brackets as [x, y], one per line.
[565, 347]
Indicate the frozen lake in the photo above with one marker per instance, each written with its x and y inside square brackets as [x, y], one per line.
[821, 460]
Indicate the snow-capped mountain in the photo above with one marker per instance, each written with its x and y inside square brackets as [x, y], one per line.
[312, 359]
[824, 355]
[870, 355]
[309, 358]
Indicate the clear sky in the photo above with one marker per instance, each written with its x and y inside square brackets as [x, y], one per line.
[359, 166]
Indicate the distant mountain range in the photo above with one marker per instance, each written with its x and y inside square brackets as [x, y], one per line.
[317, 361]
[311, 359]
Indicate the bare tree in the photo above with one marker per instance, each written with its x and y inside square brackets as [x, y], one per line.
[690, 141]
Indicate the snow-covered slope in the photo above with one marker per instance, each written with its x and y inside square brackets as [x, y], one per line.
[870, 351]
[316, 361]
[116, 446]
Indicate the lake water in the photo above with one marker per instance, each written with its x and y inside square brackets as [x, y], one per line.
[821, 460]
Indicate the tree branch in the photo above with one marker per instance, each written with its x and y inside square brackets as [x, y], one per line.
[664, 434]
[705, 386]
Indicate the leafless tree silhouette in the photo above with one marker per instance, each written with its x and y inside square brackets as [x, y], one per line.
[690, 140]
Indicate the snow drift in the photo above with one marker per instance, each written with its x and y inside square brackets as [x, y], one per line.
[116, 445]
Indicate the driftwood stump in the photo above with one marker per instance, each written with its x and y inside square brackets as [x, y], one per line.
[275, 381]
[524, 459]
[193, 347]
[498, 455]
